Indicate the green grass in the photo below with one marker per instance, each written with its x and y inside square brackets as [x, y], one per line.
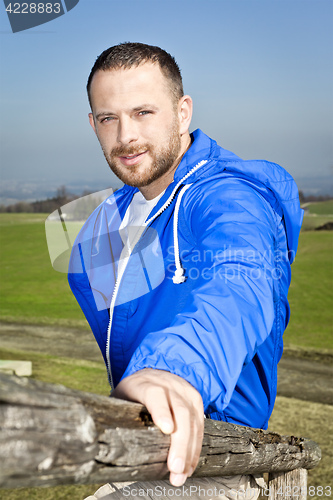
[77, 374]
[74, 492]
[31, 290]
[293, 417]
[321, 207]
[311, 292]
[311, 222]
[317, 214]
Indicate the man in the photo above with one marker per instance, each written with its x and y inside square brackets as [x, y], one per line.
[205, 337]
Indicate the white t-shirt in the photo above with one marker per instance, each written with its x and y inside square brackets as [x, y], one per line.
[132, 225]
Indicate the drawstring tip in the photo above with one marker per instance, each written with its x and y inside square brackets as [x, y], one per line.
[179, 276]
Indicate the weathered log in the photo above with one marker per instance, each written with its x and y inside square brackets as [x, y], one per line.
[53, 435]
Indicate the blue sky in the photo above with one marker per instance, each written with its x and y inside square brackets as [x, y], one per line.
[260, 73]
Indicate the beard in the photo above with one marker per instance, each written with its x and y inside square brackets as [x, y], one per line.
[162, 160]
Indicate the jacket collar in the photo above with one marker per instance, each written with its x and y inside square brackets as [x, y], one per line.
[201, 149]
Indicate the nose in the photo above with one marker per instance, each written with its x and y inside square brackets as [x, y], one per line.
[127, 131]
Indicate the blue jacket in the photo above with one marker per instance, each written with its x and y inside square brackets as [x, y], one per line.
[204, 293]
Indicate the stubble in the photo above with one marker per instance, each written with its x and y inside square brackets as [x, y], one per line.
[163, 159]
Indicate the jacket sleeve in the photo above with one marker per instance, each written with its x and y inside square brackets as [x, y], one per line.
[230, 311]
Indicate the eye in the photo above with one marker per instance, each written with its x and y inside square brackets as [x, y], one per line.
[144, 112]
[107, 119]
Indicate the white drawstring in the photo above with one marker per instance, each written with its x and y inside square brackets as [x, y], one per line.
[178, 277]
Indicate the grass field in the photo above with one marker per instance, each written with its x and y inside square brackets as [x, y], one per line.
[312, 221]
[321, 207]
[311, 292]
[32, 292]
[293, 417]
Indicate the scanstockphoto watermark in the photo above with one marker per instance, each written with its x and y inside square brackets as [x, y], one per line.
[160, 491]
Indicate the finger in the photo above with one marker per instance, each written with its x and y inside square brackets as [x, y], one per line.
[197, 443]
[186, 441]
[194, 442]
[180, 451]
[157, 403]
[180, 446]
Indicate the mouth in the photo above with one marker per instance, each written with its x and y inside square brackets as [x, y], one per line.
[132, 159]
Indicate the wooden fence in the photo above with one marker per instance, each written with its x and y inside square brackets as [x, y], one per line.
[51, 435]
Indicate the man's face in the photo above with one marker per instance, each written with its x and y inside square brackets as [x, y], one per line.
[136, 122]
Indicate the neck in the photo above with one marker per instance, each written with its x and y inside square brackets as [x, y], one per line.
[159, 185]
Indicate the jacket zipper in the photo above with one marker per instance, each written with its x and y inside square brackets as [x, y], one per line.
[118, 280]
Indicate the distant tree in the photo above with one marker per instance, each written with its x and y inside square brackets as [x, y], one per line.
[301, 197]
[62, 197]
[20, 207]
[49, 205]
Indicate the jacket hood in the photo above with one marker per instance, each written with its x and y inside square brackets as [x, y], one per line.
[271, 180]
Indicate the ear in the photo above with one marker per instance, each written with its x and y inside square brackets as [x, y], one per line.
[92, 122]
[185, 110]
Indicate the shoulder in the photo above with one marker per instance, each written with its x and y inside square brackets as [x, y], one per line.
[228, 203]
[228, 191]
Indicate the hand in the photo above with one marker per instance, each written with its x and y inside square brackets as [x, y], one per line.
[176, 408]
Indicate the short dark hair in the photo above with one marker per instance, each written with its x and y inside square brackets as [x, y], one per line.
[129, 54]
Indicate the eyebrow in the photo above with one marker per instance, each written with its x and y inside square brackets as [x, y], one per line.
[135, 110]
[145, 106]
[103, 113]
